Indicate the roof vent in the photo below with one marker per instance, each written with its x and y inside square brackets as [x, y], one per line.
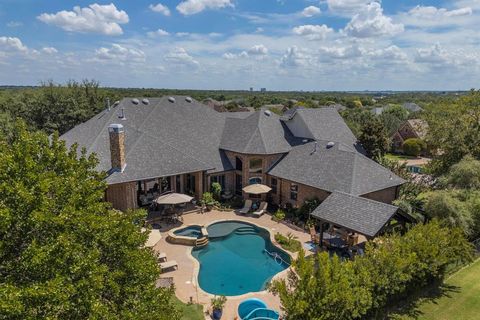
[122, 114]
[171, 99]
[116, 103]
[108, 104]
[315, 146]
[268, 113]
[135, 101]
[305, 140]
[188, 99]
[330, 144]
[145, 101]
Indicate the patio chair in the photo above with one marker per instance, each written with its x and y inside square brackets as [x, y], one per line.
[261, 210]
[246, 207]
[168, 265]
[162, 256]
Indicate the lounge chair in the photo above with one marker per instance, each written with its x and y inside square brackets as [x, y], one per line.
[246, 207]
[261, 209]
[168, 264]
[162, 256]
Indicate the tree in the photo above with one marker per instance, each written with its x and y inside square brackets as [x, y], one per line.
[216, 190]
[413, 147]
[392, 118]
[465, 174]
[374, 138]
[451, 208]
[64, 253]
[324, 288]
[454, 131]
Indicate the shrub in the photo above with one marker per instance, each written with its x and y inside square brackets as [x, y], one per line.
[324, 287]
[216, 189]
[289, 242]
[208, 200]
[279, 215]
[413, 147]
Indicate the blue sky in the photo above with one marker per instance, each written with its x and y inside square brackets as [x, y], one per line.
[237, 44]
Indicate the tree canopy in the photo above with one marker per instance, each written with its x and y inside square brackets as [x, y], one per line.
[373, 138]
[64, 254]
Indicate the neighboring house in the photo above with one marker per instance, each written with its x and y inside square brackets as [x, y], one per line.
[413, 128]
[178, 144]
[412, 107]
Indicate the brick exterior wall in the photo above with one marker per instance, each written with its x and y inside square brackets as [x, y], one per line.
[122, 196]
[267, 161]
[304, 192]
[117, 149]
[385, 195]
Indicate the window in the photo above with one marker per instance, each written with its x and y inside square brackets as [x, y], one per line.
[238, 184]
[273, 185]
[293, 191]
[190, 188]
[165, 184]
[219, 179]
[177, 184]
[255, 180]
[256, 165]
[238, 164]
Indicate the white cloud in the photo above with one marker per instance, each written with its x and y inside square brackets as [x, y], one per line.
[182, 34]
[371, 22]
[294, 57]
[157, 33]
[14, 24]
[346, 7]
[49, 50]
[311, 11]
[12, 44]
[103, 19]
[160, 8]
[430, 12]
[190, 7]
[340, 52]
[440, 57]
[313, 32]
[119, 54]
[258, 50]
[392, 54]
[259, 30]
[180, 56]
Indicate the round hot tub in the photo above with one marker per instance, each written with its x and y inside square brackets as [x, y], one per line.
[190, 235]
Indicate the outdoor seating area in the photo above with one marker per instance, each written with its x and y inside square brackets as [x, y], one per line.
[257, 209]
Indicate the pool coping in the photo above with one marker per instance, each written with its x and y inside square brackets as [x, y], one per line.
[196, 263]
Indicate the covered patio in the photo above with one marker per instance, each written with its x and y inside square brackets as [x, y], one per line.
[345, 222]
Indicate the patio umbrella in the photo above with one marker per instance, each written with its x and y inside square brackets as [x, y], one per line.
[257, 188]
[173, 198]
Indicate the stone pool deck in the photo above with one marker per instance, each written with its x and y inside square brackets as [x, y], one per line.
[185, 277]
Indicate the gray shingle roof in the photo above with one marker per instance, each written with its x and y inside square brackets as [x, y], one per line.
[326, 124]
[338, 168]
[259, 133]
[161, 138]
[412, 107]
[358, 214]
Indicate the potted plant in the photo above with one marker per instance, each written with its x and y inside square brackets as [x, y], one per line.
[208, 201]
[217, 307]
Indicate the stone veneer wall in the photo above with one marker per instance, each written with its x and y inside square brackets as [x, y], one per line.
[117, 149]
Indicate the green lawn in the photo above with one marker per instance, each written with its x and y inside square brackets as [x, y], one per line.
[459, 300]
[398, 157]
[189, 311]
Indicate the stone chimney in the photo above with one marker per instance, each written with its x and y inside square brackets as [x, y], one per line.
[117, 146]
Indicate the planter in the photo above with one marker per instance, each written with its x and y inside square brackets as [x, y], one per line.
[217, 314]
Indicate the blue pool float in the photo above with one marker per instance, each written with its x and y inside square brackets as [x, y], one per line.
[256, 309]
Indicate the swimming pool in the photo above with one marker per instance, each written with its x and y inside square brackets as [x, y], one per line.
[240, 258]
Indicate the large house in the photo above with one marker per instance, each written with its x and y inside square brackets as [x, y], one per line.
[410, 129]
[178, 144]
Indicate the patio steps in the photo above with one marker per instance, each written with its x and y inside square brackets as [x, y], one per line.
[201, 242]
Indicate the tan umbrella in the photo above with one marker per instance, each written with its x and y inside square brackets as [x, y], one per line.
[257, 188]
[173, 198]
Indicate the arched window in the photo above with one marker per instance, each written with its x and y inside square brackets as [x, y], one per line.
[256, 165]
[255, 180]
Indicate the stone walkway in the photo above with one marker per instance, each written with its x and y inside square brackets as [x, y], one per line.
[186, 287]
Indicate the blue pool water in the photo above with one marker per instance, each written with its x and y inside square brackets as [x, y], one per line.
[190, 231]
[235, 261]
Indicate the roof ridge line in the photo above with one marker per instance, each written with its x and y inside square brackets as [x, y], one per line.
[363, 198]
